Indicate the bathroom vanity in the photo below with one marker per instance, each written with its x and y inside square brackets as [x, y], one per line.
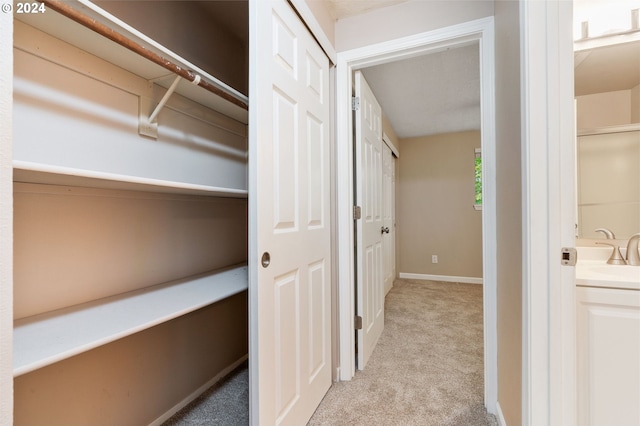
[608, 340]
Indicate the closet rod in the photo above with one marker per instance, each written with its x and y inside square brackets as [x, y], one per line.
[71, 13]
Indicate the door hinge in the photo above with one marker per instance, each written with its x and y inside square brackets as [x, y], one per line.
[357, 322]
[355, 103]
[569, 256]
[357, 212]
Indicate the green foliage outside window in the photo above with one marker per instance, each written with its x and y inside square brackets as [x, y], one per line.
[478, 200]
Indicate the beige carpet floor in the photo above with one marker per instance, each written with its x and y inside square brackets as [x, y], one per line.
[427, 368]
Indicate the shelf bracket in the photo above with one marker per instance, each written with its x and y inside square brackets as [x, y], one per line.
[148, 125]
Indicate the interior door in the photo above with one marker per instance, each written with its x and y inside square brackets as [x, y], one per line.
[290, 252]
[388, 218]
[369, 256]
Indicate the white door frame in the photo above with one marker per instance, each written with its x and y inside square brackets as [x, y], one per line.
[480, 31]
[548, 213]
[6, 219]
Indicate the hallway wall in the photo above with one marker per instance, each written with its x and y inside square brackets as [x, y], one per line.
[435, 206]
[509, 210]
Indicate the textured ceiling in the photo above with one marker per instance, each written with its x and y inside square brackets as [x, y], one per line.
[425, 95]
[430, 94]
[344, 8]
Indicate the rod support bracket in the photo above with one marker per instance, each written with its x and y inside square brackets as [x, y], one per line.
[148, 122]
[146, 127]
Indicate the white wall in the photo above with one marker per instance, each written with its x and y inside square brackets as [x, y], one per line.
[6, 220]
[412, 17]
[607, 109]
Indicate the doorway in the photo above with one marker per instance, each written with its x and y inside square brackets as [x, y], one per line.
[480, 31]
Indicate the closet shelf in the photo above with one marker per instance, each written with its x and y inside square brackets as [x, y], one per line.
[47, 338]
[29, 172]
[229, 102]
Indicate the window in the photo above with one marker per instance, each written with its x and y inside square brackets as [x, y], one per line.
[478, 179]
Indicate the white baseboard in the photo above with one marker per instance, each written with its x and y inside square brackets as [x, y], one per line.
[166, 416]
[500, 416]
[447, 278]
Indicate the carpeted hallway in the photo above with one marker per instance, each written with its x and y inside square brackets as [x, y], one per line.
[427, 368]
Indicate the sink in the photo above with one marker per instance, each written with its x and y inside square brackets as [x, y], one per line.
[625, 272]
[599, 274]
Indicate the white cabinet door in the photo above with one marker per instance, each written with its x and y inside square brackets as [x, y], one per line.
[388, 219]
[368, 143]
[290, 281]
[608, 349]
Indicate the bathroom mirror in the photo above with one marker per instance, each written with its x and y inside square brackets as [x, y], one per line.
[607, 93]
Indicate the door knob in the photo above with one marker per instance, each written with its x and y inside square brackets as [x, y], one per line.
[384, 230]
[266, 259]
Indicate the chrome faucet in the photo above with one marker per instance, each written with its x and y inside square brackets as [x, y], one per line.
[616, 257]
[633, 258]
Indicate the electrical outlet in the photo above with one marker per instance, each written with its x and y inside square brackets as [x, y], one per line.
[434, 258]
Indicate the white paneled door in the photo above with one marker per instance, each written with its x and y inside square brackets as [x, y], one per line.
[369, 229]
[290, 212]
[389, 217]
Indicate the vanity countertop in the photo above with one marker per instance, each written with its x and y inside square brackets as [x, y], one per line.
[596, 273]
[592, 270]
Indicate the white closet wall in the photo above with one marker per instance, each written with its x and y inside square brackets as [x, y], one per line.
[136, 380]
[104, 214]
[75, 110]
[215, 38]
[74, 245]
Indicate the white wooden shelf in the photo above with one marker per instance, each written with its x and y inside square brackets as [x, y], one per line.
[78, 35]
[29, 172]
[47, 338]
